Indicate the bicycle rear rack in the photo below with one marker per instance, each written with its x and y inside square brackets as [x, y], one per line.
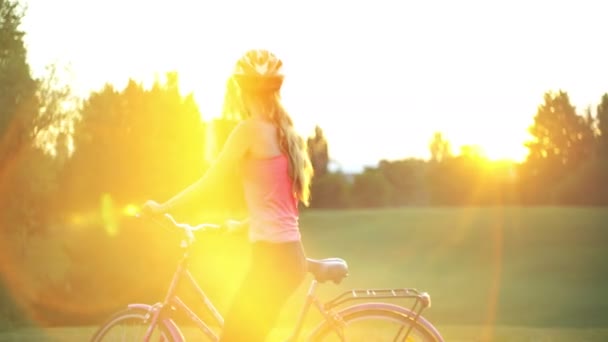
[422, 298]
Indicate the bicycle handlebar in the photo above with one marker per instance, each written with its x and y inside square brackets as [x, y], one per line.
[187, 227]
[167, 221]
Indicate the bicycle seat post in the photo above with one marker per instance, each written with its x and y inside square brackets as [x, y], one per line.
[310, 299]
[312, 289]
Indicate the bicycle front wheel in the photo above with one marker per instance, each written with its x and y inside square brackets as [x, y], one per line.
[131, 324]
[376, 322]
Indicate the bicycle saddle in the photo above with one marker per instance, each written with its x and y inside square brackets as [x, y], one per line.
[334, 269]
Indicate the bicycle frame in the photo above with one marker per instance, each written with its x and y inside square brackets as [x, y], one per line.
[173, 302]
[311, 299]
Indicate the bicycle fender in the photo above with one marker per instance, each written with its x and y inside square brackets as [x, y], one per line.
[383, 307]
[176, 334]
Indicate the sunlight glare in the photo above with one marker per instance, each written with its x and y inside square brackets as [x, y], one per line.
[108, 214]
[130, 210]
[492, 142]
[210, 138]
[505, 150]
[493, 85]
[77, 219]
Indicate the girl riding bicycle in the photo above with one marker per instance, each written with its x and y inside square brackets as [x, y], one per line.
[276, 174]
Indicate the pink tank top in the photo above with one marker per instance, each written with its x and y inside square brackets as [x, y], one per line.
[272, 203]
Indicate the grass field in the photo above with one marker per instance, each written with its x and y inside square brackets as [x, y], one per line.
[451, 334]
[494, 274]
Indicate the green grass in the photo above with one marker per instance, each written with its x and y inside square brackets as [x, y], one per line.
[499, 274]
[510, 266]
[451, 333]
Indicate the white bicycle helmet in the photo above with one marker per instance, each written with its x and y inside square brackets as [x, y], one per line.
[258, 70]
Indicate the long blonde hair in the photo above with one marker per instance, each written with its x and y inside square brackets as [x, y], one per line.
[290, 142]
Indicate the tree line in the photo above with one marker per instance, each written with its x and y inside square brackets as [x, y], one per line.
[71, 169]
[567, 164]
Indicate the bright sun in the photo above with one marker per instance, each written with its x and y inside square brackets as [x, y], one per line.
[494, 144]
[505, 150]
[327, 84]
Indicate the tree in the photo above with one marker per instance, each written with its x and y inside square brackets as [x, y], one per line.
[28, 110]
[405, 179]
[27, 174]
[134, 144]
[318, 152]
[370, 189]
[562, 142]
[330, 191]
[53, 126]
[17, 87]
[440, 148]
[602, 125]
[30, 182]
[452, 181]
[562, 139]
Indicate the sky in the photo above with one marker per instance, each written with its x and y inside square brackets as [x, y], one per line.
[379, 77]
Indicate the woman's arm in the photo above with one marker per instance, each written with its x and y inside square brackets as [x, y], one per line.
[234, 149]
[236, 227]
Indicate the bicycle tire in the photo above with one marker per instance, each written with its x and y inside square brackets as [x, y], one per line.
[167, 333]
[422, 329]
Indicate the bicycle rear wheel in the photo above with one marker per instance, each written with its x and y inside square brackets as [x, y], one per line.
[131, 324]
[376, 322]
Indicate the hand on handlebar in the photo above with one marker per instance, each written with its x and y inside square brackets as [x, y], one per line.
[157, 212]
[152, 208]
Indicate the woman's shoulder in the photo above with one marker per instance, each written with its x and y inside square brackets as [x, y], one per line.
[245, 127]
[257, 127]
[251, 129]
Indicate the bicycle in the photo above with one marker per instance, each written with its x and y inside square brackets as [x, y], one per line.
[156, 319]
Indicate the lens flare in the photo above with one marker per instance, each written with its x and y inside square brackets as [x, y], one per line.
[108, 214]
[130, 210]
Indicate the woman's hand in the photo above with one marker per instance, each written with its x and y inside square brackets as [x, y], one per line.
[153, 208]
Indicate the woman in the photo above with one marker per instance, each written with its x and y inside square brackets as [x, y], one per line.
[276, 174]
